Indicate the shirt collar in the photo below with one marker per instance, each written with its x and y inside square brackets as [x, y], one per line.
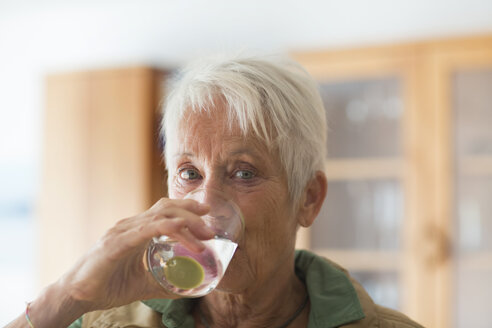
[332, 296]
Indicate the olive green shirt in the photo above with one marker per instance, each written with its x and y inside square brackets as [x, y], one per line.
[335, 300]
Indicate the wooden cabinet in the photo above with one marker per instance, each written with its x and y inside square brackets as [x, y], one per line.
[101, 159]
[410, 169]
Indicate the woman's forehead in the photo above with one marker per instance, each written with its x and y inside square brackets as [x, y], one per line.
[214, 143]
[213, 139]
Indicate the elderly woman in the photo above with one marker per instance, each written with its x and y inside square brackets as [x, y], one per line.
[254, 129]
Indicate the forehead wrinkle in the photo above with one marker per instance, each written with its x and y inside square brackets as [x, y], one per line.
[218, 149]
[211, 147]
[210, 136]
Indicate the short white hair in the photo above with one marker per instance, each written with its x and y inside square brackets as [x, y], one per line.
[275, 98]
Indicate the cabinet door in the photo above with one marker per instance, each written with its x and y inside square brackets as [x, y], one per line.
[472, 108]
[367, 97]
[101, 159]
[360, 223]
[464, 72]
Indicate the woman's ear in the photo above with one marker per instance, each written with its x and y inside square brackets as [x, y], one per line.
[312, 199]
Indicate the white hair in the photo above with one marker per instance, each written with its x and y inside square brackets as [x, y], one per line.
[275, 98]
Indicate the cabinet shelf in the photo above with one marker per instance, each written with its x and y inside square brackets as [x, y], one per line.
[476, 165]
[364, 260]
[476, 261]
[364, 169]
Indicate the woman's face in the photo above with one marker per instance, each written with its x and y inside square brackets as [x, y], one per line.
[208, 154]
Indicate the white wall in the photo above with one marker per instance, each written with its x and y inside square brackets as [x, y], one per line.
[37, 37]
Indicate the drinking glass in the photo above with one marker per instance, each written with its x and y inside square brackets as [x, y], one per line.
[186, 273]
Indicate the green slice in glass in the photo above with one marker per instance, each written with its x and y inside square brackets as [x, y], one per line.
[184, 272]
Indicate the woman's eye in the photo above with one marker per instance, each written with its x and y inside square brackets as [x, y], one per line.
[189, 174]
[244, 174]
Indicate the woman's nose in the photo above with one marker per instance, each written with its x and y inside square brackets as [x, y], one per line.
[212, 195]
[214, 185]
[213, 182]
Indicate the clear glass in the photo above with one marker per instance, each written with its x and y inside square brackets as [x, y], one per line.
[191, 274]
[360, 215]
[474, 214]
[381, 286]
[473, 292]
[473, 251]
[472, 92]
[364, 118]
[213, 261]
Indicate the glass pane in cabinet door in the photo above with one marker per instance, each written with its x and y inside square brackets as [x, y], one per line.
[364, 118]
[473, 298]
[472, 92]
[474, 214]
[360, 215]
[473, 261]
[381, 286]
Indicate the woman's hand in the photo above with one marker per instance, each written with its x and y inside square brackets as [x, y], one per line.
[113, 273]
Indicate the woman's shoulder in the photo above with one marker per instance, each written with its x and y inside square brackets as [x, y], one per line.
[377, 315]
[391, 318]
[324, 277]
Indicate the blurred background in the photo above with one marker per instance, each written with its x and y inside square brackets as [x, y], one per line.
[407, 86]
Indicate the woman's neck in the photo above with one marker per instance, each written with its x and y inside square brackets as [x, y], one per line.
[269, 304]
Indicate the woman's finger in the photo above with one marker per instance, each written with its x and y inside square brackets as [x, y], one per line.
[197, 230]
[187, 204]
[189, 240]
